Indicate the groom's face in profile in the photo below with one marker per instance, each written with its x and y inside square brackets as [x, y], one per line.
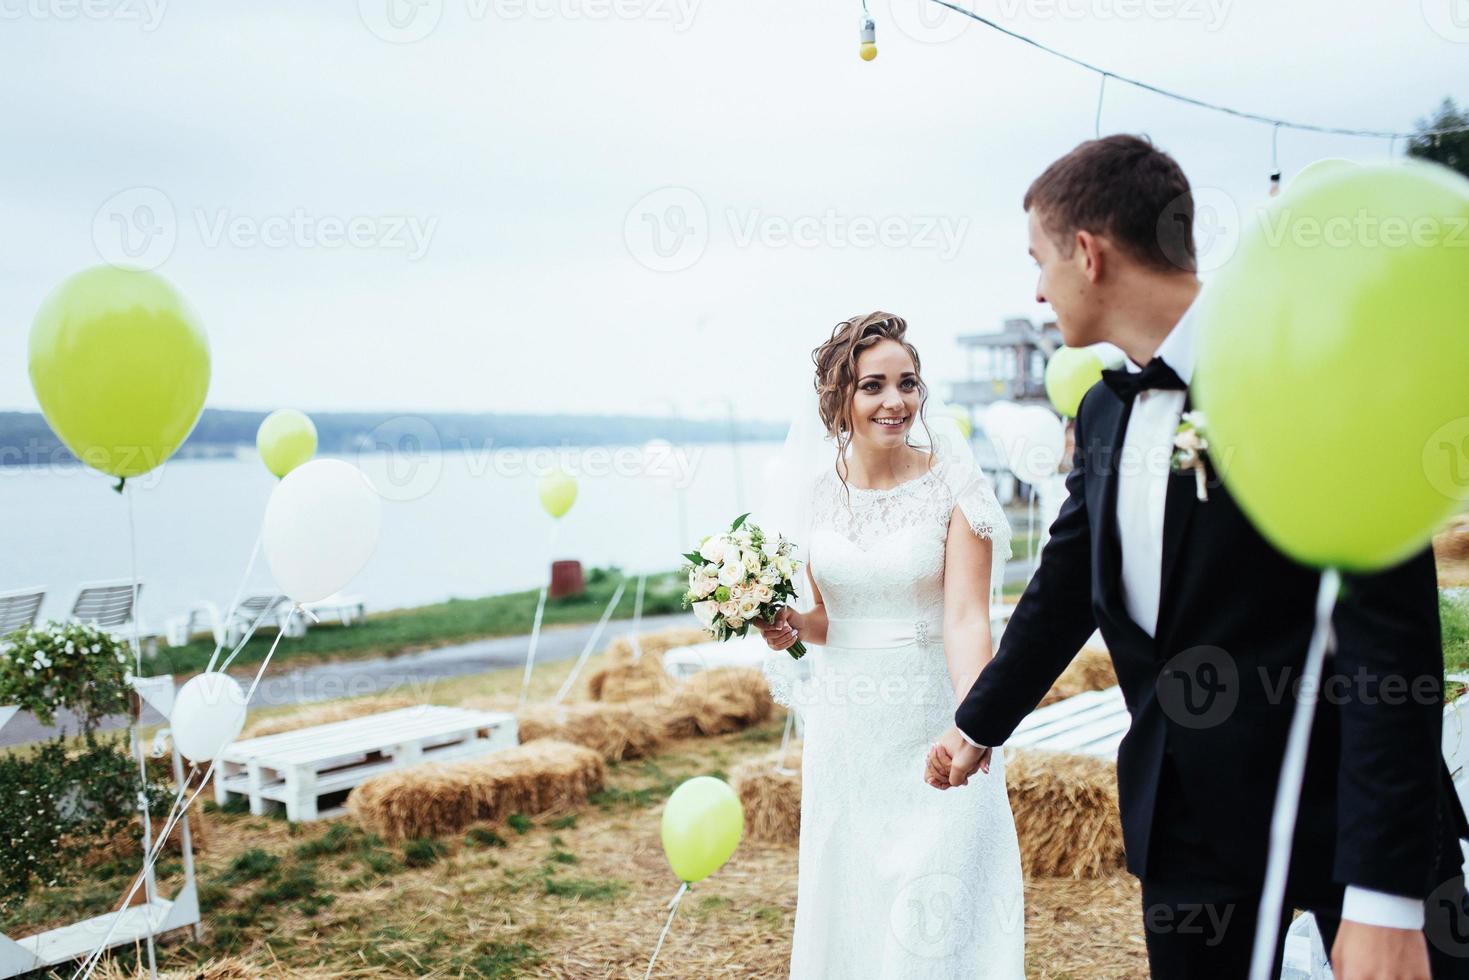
[1064, 282]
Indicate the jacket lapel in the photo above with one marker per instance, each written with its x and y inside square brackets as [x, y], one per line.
[1178, 509]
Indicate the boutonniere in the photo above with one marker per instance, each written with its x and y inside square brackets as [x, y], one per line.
[1189, 446]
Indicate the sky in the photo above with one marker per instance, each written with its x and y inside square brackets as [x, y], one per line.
[625, 206]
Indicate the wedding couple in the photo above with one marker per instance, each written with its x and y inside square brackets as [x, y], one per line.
[906, 874]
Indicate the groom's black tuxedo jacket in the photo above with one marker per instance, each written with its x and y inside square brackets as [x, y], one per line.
[1211, 695]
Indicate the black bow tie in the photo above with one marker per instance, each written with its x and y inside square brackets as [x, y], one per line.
[1157, 375]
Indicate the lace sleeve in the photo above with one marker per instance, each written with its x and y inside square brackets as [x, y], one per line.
[976, 499]
[783, 674]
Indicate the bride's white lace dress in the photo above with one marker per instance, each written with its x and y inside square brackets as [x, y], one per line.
[897, 880]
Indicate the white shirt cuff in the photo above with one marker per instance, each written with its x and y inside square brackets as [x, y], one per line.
[972, 741]
[1372, 908]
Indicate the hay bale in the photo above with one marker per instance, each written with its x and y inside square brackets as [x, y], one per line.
[623, 675]
[1066, 813]
[1451, 545]
[713, 702]
[771, 798]
[325, 714]
[658, 642]
[442, 798]
[1089, 670]
[614, 731]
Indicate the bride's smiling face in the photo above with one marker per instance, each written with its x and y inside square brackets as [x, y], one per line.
[888, 395]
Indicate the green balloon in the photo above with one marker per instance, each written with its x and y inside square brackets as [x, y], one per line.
[120, 365]
[1333, 367]
[1317, 171]
[702, 824]
[1070, 374]
[557, 492]
[286, 439]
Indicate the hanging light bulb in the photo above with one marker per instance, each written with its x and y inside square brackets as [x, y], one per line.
[1274, 183]
[868, 48]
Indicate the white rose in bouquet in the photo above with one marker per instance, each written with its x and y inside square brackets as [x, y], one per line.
[731, 573]
[713, 548]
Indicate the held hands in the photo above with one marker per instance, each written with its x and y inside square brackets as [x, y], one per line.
[1362, 951]
[784, 631]
[952, 760]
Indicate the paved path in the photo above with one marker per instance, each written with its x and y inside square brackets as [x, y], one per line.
[414, 673]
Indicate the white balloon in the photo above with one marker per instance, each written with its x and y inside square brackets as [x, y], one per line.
[1039, 442]
[321, 527]
[208, 715]
[1001, 426]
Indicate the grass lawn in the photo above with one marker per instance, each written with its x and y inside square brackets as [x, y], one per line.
[570, 895]
[441, 624]
[1453, 609]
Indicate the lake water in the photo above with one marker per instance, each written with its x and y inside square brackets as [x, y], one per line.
[454, 523]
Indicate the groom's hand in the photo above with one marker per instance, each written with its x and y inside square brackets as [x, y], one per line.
[1362, 952]
[952, 760]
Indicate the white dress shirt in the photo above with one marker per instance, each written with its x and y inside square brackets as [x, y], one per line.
[1142, 490]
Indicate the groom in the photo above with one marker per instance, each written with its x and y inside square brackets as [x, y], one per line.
[1208, 626]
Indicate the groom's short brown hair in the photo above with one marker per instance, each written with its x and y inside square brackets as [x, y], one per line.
[1125, 188]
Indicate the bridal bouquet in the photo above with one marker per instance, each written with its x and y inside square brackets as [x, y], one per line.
[738, 576]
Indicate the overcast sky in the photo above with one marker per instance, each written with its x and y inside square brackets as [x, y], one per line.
[614, 205]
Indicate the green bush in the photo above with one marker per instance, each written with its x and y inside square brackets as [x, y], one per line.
[65, 665]
[56, 805]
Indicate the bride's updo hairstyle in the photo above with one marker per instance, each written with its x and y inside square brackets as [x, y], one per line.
[836, 373]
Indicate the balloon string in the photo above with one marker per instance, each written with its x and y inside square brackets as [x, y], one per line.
[637, 618]
[1288, 793]
[235, 602]
[146, 818]
[591, 643]
[150, 857]
[672, 911]
[175, 814]
[535, 630]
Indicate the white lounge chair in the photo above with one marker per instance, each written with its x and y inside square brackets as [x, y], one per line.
[203, 616]
[18, 609]
[264, 608]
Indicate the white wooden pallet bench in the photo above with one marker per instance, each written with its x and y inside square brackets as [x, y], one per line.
[1090, 723]
[299, 768]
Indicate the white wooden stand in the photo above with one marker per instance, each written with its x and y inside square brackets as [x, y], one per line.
[156, 915]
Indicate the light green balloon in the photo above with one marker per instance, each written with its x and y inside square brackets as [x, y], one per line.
[557, 492]
[120, 365]
[702, 824]
[960, 414]
[1333, 367]
[1070, 374]
[286, 439]
[1318, 170]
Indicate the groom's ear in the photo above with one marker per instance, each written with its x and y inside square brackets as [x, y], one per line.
[1088, 255]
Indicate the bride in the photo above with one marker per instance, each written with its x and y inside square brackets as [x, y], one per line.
[903, 539]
